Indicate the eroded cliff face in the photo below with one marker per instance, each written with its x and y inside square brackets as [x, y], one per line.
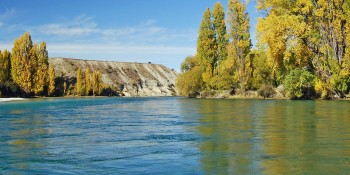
[128, 79]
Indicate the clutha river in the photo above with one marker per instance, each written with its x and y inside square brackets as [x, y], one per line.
[174, 136]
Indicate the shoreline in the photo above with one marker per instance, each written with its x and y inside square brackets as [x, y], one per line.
[12, 99]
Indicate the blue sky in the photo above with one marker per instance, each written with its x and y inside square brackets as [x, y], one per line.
[160, 31]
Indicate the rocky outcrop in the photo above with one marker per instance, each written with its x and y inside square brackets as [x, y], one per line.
[128, 79]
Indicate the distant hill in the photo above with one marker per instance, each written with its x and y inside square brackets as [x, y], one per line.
[128, 79]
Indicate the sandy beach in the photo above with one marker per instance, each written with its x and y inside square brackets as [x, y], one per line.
[11, 99]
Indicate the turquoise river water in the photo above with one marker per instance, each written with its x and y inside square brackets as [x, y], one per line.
[174, 136]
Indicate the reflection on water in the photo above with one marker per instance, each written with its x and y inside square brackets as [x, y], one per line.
[274, 137]
[174, 136]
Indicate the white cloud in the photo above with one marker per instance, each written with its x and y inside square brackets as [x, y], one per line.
[81, 25]
[116, 49]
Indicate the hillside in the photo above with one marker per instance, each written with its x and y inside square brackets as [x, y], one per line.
[127, 79]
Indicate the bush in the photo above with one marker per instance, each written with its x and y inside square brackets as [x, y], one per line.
[299, 84]
[266, 91]
[11, 89]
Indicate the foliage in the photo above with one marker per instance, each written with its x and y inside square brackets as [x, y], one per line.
[52, 86]
[221, 39]
[240, 43]
[21, 65]
[299, 84]
[5, 66]
[79, 85]
[40, 75]
[97, 85]
[206, 48]
[10, 89]
[190, 83]
[87, 82]
[266, 91]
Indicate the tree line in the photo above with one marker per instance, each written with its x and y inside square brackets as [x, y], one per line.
[25, 72]
[303, 47]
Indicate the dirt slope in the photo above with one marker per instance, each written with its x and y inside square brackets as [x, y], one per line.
[130, 79]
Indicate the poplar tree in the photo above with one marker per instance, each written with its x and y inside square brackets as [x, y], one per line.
[87, 81]
[79, 83]
[5, 66]
[21, 67]
[96, 83]
[240, 42]
[220, 32]
[52, 86]
[206, 48]
[40, 60]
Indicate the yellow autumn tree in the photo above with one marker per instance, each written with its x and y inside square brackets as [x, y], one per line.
[52, 85]
[21, 66]
[97, 84]
[5, 66]
[87, 82]
[79, 84]
[240, 43]
[40, 77]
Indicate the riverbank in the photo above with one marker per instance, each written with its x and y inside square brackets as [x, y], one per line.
[11, 99]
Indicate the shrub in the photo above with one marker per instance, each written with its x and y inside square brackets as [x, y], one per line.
[299, 84]
[266, 91]
[11, 89]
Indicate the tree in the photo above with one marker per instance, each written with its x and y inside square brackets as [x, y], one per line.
[299, 84]
[40, 77]
[96, 83]
[21, 67]
[189, 63]
[190, 83]
[5, 66]
[206, 48]
[52, 86]
[239, 37]
[220, 33]
[79, 85]
[87, 82]
[311, 35]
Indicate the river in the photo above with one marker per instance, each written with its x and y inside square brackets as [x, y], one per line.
[174, 136]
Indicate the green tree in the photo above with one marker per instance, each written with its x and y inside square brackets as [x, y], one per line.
[220, 32]
[52, 86]
[5, 66]
[240, 43]
[206, 48]
[21, 67]
[299, 84]
[87, 82]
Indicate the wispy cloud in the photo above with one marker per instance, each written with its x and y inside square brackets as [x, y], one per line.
[145, 33]
[81, 25]
[8, 14]
[82, 37]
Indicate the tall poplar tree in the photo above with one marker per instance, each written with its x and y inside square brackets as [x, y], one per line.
[21, 67]
[240, 43]
[52, 86]
[40, 79]
[220, 32]
[96, 83]
[79, 83]
[206, 48]
[5, 66]
[87, 82]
